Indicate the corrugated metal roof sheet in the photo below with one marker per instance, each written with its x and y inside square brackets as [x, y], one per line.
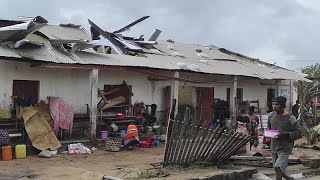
[237, 66]
[66, 33]
[6, 51]
[6, 34]
[172, 63]
[154, 61]
[189, 50]
[38, 53]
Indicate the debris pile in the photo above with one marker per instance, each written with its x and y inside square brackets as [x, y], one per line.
[114, 95]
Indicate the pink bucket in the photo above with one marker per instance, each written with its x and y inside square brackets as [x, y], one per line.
[104, 134]
[144, 144]
[271, 133]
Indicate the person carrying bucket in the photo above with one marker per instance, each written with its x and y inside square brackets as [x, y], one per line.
[282, 144]
[131, 137]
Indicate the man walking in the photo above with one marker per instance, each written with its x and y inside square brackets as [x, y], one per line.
[254, 124]
[282, 145]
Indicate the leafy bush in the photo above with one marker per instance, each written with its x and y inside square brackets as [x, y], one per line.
[312, 136]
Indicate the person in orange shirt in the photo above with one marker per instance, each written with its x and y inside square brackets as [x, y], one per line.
[131, 137]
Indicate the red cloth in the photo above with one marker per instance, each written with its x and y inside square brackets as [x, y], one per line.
[266, 140]
[148, 139]
[61, 113]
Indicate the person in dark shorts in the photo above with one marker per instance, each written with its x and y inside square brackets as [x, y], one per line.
[282, 144]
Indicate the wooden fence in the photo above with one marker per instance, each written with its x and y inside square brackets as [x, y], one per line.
[188, 143]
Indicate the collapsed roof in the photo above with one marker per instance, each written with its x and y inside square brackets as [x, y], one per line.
[36, 41]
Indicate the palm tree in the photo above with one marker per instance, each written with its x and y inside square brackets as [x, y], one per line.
[307, 90]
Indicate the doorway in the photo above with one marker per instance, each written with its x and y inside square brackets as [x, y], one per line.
[27, 90]
[239, 95]
[205, 104]
[271, 94]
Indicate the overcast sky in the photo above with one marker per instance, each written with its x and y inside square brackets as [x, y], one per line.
[281, 31]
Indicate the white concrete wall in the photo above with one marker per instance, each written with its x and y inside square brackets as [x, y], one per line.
[73, 85]
[253, 89]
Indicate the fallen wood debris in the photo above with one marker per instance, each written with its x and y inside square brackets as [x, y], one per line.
[267, 164]
[189, 143]
[312, 162]
[249, 158]
[114, 96]
[259, 161]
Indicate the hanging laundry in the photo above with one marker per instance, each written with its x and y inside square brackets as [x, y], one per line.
[62, 114]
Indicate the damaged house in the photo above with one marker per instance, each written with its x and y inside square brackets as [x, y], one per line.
[38, 60]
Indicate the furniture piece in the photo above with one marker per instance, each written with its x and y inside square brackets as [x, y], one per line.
[15, 127]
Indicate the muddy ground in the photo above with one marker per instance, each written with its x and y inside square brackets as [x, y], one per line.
[125, 164]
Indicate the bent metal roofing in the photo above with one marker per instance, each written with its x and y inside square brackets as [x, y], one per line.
[167, 56]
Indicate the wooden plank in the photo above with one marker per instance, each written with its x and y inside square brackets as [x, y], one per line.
[186, 144]
[249, 158]
[180, 140]
[256, 164]
[190, 146]
[93, 103]
[183, 135]
[196, 144]
[243, 139]
[100, 94]
[203, 143]
[209, 141]
[227, 145]
[192, 151]
[225, 140]
[112, 102]
[168, 145]
[212, 141]
[103, 93]
[100, 103]
[236, 141]
[239, 140]
[175, 137]
[218, 141]
[123, 121]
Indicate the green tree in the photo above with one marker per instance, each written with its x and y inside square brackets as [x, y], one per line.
[309, 89]
[312, 71]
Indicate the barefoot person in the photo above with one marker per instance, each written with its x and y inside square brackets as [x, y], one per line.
[282, 145]
[253, 126]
